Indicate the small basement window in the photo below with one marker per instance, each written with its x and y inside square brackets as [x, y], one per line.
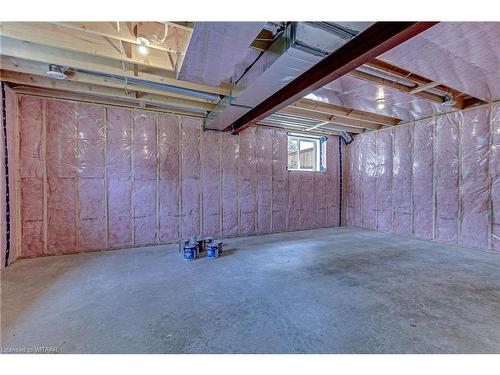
[306, 153]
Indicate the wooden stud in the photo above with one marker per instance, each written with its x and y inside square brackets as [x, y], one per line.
[45, 177]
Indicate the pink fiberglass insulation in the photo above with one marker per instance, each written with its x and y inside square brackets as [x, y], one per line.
[264, 164]
[32, 159]
[91, 226]
[355, 181]
[169, 178]
[306, 200]
[319, 197]
[90, 148]
[119, 173]
[474, 178]
[215, 50]
[495, 176]
[445, 178]
[110, 177]
[229, 161]
[332, 195]
[211, 186]
[447, 169]
[401, 171]
[280, 181]
[293, 206]
[384, 179]
[422, 178]
[144, 172]
[61, 176]
[92, 214]
[190, 177]
[370, 174]
[247, 181]
[468, 51]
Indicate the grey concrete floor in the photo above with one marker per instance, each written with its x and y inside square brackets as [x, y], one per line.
[336, 290]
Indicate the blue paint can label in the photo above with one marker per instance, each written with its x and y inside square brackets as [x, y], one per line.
[212, 253]
[190, 252]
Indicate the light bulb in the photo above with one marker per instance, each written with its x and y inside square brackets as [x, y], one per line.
[143, 50]
[380, 93]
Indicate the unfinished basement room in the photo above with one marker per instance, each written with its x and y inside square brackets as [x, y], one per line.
[273, 187]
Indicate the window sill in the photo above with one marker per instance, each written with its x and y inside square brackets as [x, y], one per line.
[304, 170]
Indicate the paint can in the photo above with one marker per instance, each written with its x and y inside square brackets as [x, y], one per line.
[190, 252]
[219, 246]
[212, 250]
[206, 240]
[182, 244]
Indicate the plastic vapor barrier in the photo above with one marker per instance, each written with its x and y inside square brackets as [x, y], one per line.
[95, 177]
[434, 179]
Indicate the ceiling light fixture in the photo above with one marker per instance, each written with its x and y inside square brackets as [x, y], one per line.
[143, 45]
[57, 72]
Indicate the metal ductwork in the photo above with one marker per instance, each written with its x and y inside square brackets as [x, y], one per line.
[300, 46]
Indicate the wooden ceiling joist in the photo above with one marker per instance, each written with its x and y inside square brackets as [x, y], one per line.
[127, 103]
[78, 87]
[395, 86]
[386, 67]
[124, 33]
[52, 35]
[330, 118]
[422, 83]
[332, 109]
[52, 55]
[318, 132]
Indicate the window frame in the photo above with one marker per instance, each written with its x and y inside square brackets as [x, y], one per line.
[319, 152]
